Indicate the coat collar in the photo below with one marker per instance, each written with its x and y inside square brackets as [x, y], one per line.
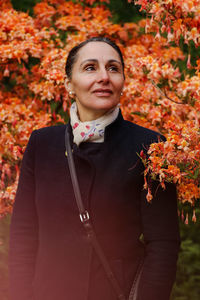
[112, 129]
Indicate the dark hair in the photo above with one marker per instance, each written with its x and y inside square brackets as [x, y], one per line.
[72, 56]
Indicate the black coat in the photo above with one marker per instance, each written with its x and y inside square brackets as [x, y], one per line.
[50, 256]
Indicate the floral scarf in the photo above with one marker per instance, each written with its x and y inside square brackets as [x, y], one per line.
[92, 131]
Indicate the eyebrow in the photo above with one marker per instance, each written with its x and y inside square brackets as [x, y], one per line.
[95, 60]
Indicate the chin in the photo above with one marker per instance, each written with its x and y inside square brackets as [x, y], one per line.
[104, 108]
[106, 105]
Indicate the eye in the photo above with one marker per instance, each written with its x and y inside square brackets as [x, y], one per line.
[90, 68]
[113, 68]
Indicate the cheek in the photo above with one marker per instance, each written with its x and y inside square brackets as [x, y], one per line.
[82, 84]
[119, 85]
[80, 87]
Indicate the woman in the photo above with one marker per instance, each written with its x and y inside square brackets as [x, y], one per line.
[50, 256]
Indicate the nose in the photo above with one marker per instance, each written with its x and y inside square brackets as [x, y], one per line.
[103, 76]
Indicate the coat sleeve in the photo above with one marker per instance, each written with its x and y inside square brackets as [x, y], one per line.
[162, 239]
[24, 230]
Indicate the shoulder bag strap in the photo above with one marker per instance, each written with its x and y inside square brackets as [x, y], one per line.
[85, 219]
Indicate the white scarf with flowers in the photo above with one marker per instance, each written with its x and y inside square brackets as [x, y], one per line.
[92, 131]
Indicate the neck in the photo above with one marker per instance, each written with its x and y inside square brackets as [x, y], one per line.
[87, 115]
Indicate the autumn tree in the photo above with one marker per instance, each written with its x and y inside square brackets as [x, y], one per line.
[157, 94]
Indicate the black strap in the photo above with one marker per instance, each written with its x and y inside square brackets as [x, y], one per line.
[85, 219]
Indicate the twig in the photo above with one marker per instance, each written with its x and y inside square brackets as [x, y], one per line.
[164, 93]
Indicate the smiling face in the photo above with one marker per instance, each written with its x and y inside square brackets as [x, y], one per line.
[97, 80]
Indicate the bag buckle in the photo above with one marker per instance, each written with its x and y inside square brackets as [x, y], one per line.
[84, 216]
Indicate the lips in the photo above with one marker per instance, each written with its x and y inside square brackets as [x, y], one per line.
[102, 92]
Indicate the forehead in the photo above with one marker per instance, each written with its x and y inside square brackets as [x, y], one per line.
[97, 50]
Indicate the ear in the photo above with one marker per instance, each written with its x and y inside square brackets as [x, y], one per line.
[68, 86]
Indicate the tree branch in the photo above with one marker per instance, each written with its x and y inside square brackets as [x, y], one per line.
[164, 93]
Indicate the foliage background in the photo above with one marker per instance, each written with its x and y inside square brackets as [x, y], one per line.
[187, 286]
